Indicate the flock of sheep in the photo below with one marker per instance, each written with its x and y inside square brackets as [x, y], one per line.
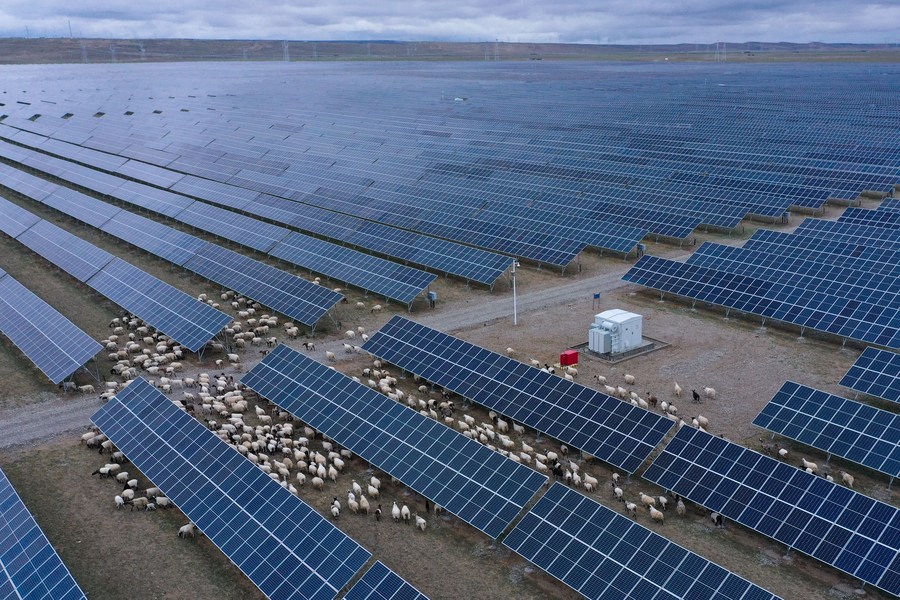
[298, 457]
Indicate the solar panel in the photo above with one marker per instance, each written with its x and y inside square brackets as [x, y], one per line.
[604, 555]
[82, 207]
[169, 244]
[159, 201]
[25, 184]
[607, 428]
[478, 485]
[244, 230]
[14, 219]
[874, 218]
[290, 295]
[827, 521]
[380, 583]
[880, 237]
[891, 204]
[183, 318]
[284, 546]
[397, 282]
[30, 568]
[877, 373]
[860, 433]
[845, 317]
[53, 343]
[77, 257]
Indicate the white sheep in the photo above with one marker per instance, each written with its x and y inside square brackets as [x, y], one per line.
[395, 513]
[678, 390]
[631, 507]
[330, 356]
[377, 308]
[809, 465]
[405, 514]
[420, 523]
[646, 500]
[120, 502]
[847, 478]
[363, 504]
[629, 379]
[510, 352]
[710, 393]
[186, 530]
[680, 508]
[657, 515]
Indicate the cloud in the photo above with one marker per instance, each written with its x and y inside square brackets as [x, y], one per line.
[591, 21]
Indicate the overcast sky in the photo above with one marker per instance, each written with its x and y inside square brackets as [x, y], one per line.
[579, 21]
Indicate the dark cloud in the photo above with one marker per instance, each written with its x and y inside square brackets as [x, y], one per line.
[590, 21]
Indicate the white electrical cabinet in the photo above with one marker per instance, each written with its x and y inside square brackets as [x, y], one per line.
[614, 331]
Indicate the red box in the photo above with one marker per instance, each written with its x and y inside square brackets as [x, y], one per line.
[568, 358]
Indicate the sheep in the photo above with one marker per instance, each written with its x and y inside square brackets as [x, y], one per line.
[695, 395]
[648, 500]
[678, 390]
[618, 493]
[139, 503]
[680, 508]
[847, 478]
[86, 389]
[629, 379]
[702, 421]
[120, 502]
[310, 347]
[405, 514]
[376, 308]
[420, 523]
[127, 494]
[657, 515]
[122, 477]
[163, 502]
[363, 504]
[590, 483]
[318, 483]
[600, 379]
[782, 452]
[372, 491]
[717, 519]
[375, 482]
[186, 530]
[631, 507]
[330, 356]
[663, 502]
[809, 466]
[103, 472]
[510, 351]
[395, 512]
[572, 371]
[710, 393]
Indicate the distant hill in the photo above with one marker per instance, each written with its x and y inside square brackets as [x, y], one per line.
[67, 50]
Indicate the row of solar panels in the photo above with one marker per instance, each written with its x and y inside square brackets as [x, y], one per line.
[526, 236]
[283, 545]
[364, 229]
[456, 259]
[186, 320]
[53, 343]
[302, 386]
[373, 274]
[836, 277]
[288, 294]
[860, 433]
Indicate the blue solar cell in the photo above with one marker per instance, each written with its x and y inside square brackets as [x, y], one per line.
[14, 219]
[183, 318]
[380, 583]
[478, 485]
[82, 207]
[288, 294]
[169, 244]
[77, 257]
[53, 343]
[591, 548]
[284, 546]
[27, 185]
[877, 373]
[854, 533]
[244, 230]
[608, 429]
[850, 318]
[153, 199]
[860, 433]
[30, 568]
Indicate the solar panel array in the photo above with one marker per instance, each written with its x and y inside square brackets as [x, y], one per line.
[185, 319]
[283, 545]
[606, 556]
[877, 373]
[30, 568]
[827, 521]
[54, 344]
[279, 290]
[607, 428]
[858, 432]
[846, 317]
[367, 272]
[453, 258]
[380, 583]
[480, 486]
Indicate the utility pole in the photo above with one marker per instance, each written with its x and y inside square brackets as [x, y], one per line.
[70, 29]
[286, 51]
